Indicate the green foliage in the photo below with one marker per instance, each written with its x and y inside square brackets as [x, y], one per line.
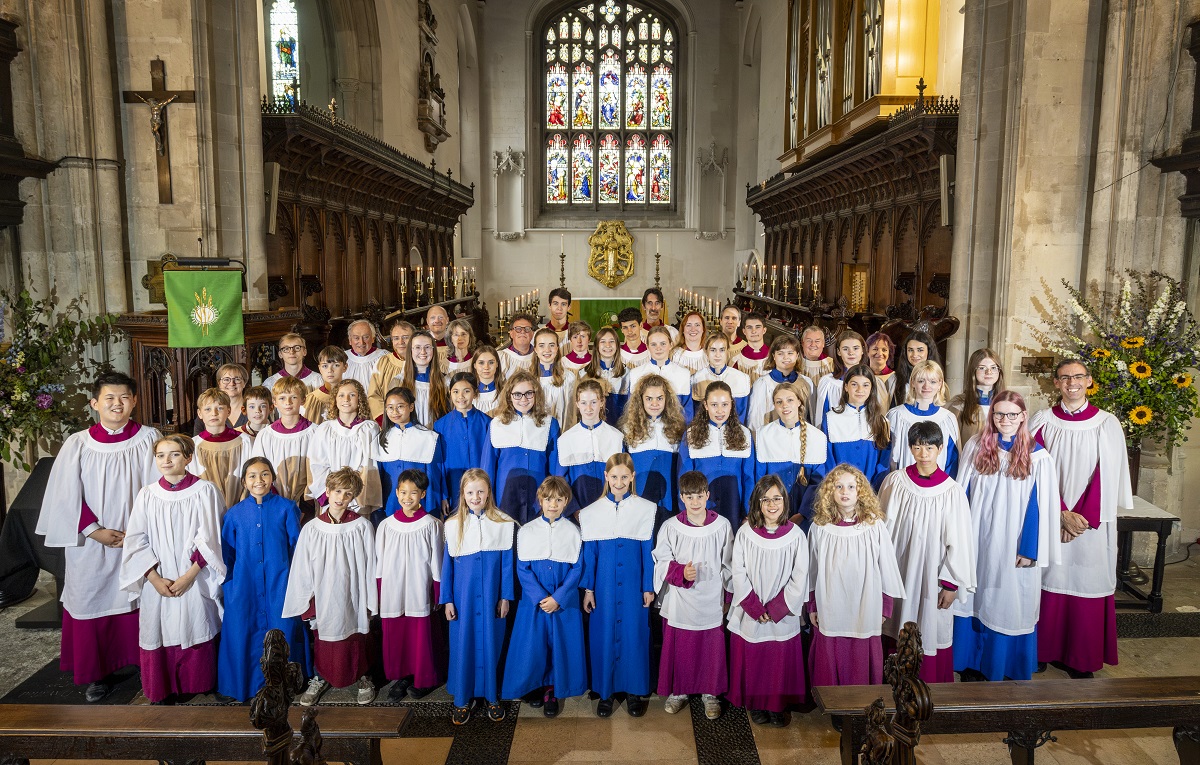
[1141, 346]
[45, 371]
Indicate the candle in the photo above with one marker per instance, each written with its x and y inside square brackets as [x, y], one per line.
[785, 272]
[656, 249]
[774, 272]
[508, 308]
[445, 274]
[402, 282]
[500, 310]
[800, 277]
[562, 244]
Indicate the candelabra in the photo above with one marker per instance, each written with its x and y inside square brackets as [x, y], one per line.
[420, 288]
[774, 282]
[446, 283]
[403, 286]
[657, 280]
[429, 286]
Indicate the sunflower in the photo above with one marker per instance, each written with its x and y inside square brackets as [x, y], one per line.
[1101, 353]
[1133, 342]
[1140, 415]
[1093, 389]
[1140, 369]
[1183, 380]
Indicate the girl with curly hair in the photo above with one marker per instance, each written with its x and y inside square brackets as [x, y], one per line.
[521, 439]
[346, 439]
[653, 427]
[854, 575]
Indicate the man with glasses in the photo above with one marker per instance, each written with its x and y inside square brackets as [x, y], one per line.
[519, 353]
[390, 365]
[1077, 627]
[362, 356]
[292, 350]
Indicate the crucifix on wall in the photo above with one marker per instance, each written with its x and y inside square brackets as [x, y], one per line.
[158, 98]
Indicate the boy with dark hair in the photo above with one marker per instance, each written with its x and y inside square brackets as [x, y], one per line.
[90, 494]
[633, 350]
[560, 306]
[332, 364]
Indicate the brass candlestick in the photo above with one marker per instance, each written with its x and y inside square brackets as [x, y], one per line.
[657, 257]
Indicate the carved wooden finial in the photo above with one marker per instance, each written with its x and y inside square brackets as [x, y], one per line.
[269, 709]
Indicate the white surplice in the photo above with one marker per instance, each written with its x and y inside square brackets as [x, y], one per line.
[408, 558]
[710, 549]
[334, 564]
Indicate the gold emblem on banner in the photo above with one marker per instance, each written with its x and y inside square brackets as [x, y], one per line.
[611, 259]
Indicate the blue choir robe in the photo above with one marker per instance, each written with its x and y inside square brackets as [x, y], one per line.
[580, 456]
[762, 396]
[826, 396]
[784, 451]
[737, 380]
[851, 443]
[618, 392]
[618, 566]
[477, 573]
[516, 456]
[903, 417]
[485, 397]
[655, 467]
[730, 473]
[412, 446]
[547, 649]
[463, 439]
[677, 376]
[257, 543]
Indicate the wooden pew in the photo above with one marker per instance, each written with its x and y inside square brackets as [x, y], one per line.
[183, 734]
[1029, 711]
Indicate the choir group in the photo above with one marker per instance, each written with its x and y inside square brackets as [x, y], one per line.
[785, 511]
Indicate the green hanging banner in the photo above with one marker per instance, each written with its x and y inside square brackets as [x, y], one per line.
[204, 308]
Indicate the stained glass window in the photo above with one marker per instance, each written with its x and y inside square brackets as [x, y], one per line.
[610, 97]
[285, 51]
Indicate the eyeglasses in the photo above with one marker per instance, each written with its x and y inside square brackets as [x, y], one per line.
[291, 348]
[1072, 378]
[1010, 416]
[526, 396]
[522, 330]
[230, 380]
[986, 369]
[771, 500]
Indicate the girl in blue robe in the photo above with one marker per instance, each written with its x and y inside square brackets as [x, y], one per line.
[722, 449]
[608, 366]
[678, 377]
[858, 430]
[258, 538]
[618, 583]
[463, 432]
[716, 349]
[927, 395]
[653, 427]
[779, 368]
[546, 649]
[584, 448]
[517, 451]
[792, 449]
[477, 589]
[404, 444]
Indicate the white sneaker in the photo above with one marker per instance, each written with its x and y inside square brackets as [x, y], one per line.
[675, 703]
[366, 690]
[316, 687]
[712, 706]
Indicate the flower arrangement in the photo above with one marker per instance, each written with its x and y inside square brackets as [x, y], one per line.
[45, 371]
[1140, 345]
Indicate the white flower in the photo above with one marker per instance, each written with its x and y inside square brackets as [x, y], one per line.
[1121, 366]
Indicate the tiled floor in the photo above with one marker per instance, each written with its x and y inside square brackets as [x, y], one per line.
[577, 735]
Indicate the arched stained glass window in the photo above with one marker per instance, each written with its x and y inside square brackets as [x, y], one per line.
[285, 51]
[609, 79]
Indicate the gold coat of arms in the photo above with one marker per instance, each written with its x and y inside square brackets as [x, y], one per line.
[611, 258]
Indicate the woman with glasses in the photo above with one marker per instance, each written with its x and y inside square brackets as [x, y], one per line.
[972, 405]
[517, 454]
[1013, 490]
[231, 380]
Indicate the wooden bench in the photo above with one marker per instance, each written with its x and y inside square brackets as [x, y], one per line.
[1030, 710]
[183, 734]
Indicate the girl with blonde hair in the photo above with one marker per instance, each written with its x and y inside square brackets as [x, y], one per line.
[854, 576]
[927, 395]
[477, 590]
[557, 382]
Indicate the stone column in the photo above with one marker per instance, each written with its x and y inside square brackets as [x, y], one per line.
[347, 88]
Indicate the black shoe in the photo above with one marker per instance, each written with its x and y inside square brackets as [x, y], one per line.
[420, 693]
[1041, 667]
[760, 716]
[169, 701]
[1075, 674]
[605, 707]
[11, 599]
[780, 719]
[636, 706]
[536, 702]
[496, 712]
[223, 699]
[399, 691]
[971, 676]
[460, 715]
[550, 707]
[96, 691]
